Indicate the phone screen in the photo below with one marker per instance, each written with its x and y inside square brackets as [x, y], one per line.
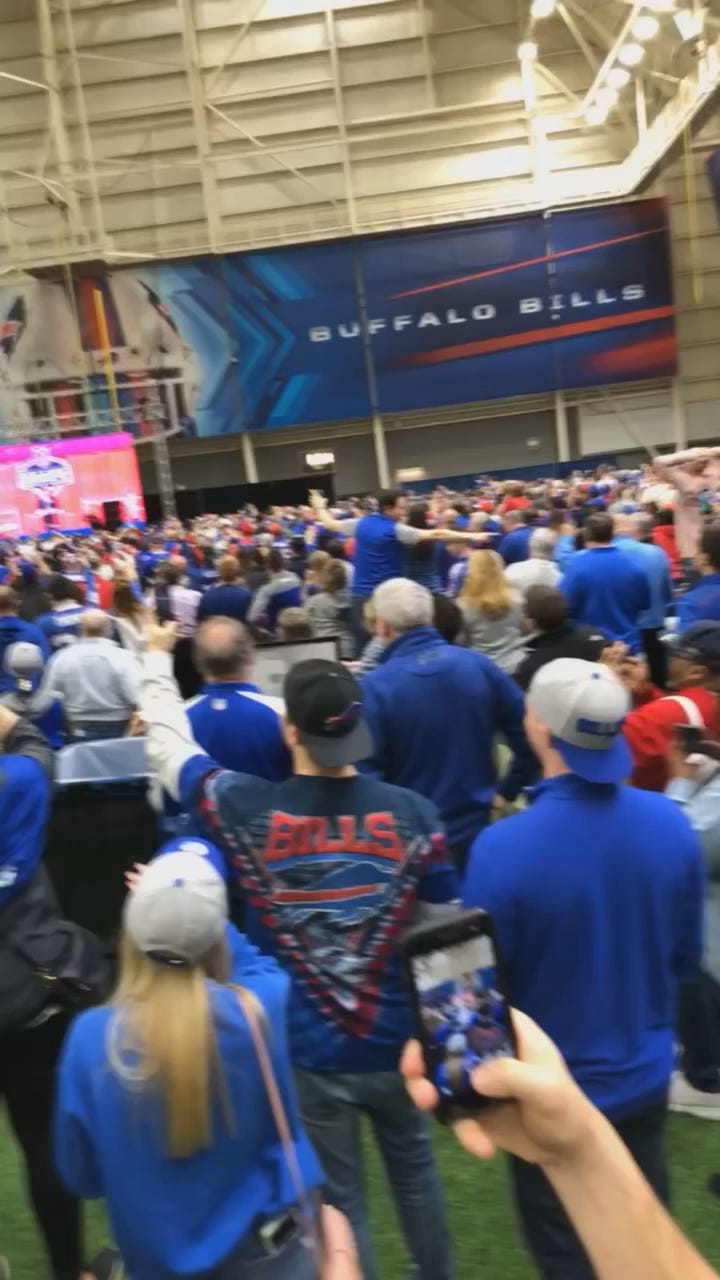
[464, 1017]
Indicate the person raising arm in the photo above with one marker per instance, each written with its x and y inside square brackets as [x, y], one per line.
[548, 1121]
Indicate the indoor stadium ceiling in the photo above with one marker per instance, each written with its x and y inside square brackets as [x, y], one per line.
[133, 128]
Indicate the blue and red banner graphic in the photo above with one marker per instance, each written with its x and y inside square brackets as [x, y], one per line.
[326, 332]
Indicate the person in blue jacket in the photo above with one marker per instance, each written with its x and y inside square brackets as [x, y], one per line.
[14, 631]
[229, 599]
[596, 895]
[162, 1107]
[606, 588]
[514, 546]
[231, 719]
[634, 537]
[702, 602]
[434, 712]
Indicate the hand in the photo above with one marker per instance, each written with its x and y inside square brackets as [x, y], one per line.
[339, 1252]
[614, 655]
[546, 1120]
[160, 637]
[499, 807]
[136, 727]
[634, 674]
[317, 500]
[132, 878]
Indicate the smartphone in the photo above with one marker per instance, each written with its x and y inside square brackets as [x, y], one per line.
[689, 737]
[461, 1012]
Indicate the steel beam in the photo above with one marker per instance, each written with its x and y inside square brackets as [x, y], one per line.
[197, 99]
[56, 120]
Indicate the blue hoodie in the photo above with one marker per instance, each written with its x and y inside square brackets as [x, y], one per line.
[701, 603]
[174, 1217]
[606, 589]
[596, 893]
[515, 546]
[24, 807]
[434, 711]
[14, 631]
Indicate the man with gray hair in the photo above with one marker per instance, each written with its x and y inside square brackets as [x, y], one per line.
[99, 683]
[540, 570]
[633, 534]
[230, 718]
[434, 712]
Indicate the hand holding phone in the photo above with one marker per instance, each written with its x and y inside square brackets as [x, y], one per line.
[460, 1009]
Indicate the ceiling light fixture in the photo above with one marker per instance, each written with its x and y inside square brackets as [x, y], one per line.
[618, 77]
[527, 51]
[645, 26]
[606, 97]
[690, 23]
[597, 113]
[542, 9]
[631, 55]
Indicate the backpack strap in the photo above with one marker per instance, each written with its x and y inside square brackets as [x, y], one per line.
[692, 711]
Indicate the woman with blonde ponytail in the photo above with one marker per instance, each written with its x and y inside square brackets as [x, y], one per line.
[175, 1102]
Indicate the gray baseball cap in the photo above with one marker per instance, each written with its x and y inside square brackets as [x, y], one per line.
[177, 912]
[583, 704]
[23, 659]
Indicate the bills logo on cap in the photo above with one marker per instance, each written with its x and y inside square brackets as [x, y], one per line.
[345, 720]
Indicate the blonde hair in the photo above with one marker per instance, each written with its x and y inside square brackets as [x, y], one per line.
[162, 1038]
[486, 589]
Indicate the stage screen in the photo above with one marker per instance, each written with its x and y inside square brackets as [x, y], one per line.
[62, 484]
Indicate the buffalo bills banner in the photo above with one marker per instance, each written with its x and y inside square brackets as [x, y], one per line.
[321, 333]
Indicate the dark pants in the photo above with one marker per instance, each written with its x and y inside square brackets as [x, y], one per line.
[549, 1236]
[98, 730]
[699, 1031]
[188, 678]
[656, 655]
[27, 1072]
[359, 631]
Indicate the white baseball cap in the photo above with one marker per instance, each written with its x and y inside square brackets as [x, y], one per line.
[583, 704]
[177, 912]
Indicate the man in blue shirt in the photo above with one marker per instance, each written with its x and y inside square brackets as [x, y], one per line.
[231, 719]
[596, 892]
[634, 537]
[331, 864]
[379, 541]
[434, 712]
[604, 587]
[14, 631]
[230, 599]
[702, 602]
[515, 545]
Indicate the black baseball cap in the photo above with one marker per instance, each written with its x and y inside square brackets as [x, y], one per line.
[700, 643]
[324, 703]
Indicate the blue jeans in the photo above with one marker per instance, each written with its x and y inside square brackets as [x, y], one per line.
[331, 1107]
[294, 1261]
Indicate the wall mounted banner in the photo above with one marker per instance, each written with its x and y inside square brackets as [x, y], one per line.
[326, 332]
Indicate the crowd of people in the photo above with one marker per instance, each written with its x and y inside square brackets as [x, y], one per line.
[522, 716]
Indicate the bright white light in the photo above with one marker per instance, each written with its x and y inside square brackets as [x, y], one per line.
[542, 8]
[618, 77]
[597, 113]
[660, 6]
[690, 23]
[527, 51]
[606, 97]
[645, 27]
[631, 55]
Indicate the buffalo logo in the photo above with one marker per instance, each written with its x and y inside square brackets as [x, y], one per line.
[344, 721]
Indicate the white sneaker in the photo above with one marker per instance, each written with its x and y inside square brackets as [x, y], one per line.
[693, 1102]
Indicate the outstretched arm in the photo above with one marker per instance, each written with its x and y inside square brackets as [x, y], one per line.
[546, 1120]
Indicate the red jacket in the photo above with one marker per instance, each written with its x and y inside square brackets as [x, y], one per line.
[649, 728]
[663, 535]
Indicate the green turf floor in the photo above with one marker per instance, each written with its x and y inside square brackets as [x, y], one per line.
[483, 1230]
